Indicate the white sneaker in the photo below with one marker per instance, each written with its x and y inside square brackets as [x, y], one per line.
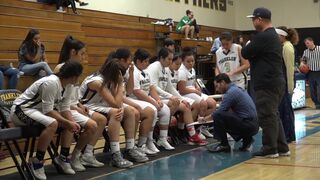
[204, 131]
[76, 165]
[146, 150]
[37, 169]
[60, 10]
[90, 161]
[152, 147]
[164, 143]
[64, 165]
[288, 153]
[202, 136]
[140, 152]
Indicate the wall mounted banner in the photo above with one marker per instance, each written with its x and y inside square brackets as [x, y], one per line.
[219, 5]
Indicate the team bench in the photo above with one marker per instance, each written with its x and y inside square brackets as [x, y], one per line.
[11, 135]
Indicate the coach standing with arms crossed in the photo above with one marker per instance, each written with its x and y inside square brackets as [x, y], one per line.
[265, 55]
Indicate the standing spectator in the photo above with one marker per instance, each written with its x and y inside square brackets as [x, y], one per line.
[13, 75]
[216, 45]
[312, 55]
[288, 37]
[230, 61]
[185, 25]
[32, 56]
[169, 44]
[265, 55]
[240, 41]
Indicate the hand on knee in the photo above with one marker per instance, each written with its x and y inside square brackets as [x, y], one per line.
[116, 114]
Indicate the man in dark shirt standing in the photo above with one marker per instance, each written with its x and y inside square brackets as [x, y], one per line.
[265, 55]
[236, 115]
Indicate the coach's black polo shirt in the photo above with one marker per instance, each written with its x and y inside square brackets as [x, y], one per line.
[265, 55]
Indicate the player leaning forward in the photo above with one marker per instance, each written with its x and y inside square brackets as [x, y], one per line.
[46, 103]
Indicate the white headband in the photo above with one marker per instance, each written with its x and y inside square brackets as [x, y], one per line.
[281, 32]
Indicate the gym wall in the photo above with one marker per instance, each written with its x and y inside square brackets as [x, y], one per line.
[221, 15]
[291, 13]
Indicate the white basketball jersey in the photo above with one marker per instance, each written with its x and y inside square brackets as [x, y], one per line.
[158, 75]
[89, 96]
[45, 95]
[173, 77]
[229, 61]
[141, 81]
[187, 75]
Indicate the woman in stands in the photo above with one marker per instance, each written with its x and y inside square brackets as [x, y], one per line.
[74, 50]
[144, 90]
[11, 73]
[160, 77]
[185, 25]
[145, 114]
[230, 61]
[103, 92]
[45, 104]
[32, 56]
[188, 87]
[65, 3]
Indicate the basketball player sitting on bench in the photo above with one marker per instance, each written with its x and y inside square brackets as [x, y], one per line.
[236, 115]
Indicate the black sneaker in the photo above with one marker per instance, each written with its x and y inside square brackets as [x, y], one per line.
[219, 148]
[247, 142]
[183, 136]
[262, 154]
[83, 4]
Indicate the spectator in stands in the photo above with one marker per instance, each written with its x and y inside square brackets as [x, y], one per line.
[196, 26]
[169, 44]
[61, 4]
[81, 3]
[32, 56]
[230, 61]
[11, 73]
[236, 115]
[45, 104]
[216, 45]
[74, 50]
[185, 26]
[240, 41]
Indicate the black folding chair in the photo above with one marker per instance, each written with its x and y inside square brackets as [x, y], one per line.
[12, 134]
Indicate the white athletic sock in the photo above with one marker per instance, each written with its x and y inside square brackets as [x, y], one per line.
[150, 136]
[89, 149]
[191, 130]
[142, 141]
[163, 133]
[115, 147]
[180, 125]
[76, 153]
[129, 143]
